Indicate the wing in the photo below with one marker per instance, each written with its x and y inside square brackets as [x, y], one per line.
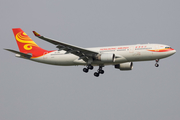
[84, 54]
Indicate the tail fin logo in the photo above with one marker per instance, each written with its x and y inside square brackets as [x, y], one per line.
[22, 37]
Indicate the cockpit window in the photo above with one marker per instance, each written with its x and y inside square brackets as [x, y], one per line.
[167, 47]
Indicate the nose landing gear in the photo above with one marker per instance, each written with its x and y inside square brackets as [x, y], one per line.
[157, 65]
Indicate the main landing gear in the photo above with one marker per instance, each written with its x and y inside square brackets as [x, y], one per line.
[90, 67]
[99, 71]
[157, 65]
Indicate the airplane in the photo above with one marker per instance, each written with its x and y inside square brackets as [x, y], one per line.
[121, 57]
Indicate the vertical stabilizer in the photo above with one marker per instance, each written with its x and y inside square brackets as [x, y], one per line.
[26, 44]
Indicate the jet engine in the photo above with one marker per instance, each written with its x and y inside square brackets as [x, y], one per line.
[124, 66]
[106, 57]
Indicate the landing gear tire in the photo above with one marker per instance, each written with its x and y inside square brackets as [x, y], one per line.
[90, 67]
[101, 71]
[157, 65]
[96, 74]
[85, 70]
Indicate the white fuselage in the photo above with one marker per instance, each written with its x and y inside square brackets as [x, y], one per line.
[126, 53]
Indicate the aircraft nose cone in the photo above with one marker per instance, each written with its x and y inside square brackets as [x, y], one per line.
[171, 52]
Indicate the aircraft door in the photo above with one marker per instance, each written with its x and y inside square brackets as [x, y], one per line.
[156, 47]
[131, 49]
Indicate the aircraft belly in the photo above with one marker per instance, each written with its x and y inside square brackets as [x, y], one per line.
[159, 55]
[139, 56]
[64, 59]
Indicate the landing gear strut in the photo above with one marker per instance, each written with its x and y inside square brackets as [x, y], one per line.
[99, 71]
[89, 67]
[157, 65]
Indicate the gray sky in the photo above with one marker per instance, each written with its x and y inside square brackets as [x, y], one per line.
[34, 91]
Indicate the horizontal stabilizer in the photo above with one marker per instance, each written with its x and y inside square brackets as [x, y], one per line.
[20, 53]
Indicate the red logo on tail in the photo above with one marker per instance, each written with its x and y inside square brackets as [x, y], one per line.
[26, 44]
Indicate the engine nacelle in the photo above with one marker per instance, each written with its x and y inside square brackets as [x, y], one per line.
[124, 66]
[106, 57]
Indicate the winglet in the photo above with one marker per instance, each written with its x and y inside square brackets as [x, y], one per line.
[36, 34]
